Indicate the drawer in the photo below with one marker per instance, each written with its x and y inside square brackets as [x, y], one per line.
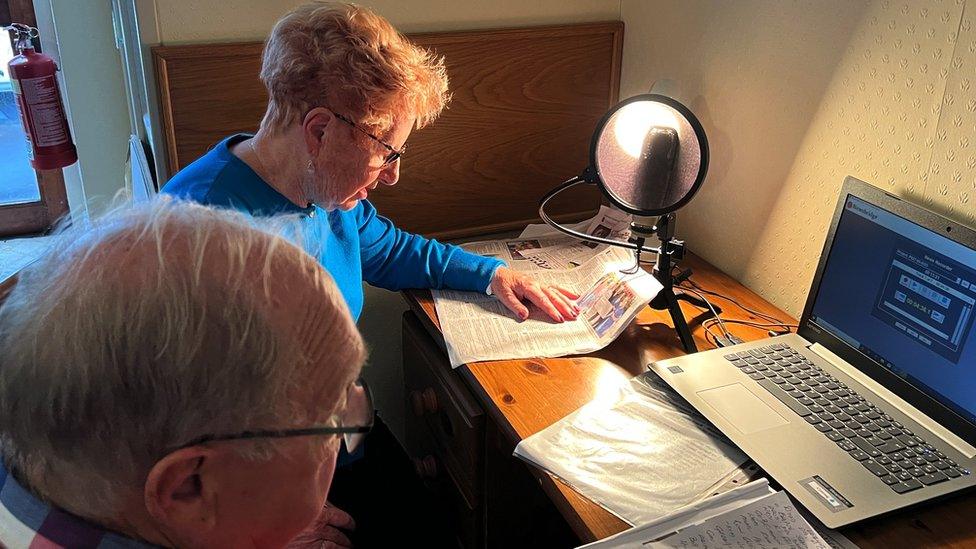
[443, 420]
[457, 515]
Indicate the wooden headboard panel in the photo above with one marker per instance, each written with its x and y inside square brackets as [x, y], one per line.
[525, 104]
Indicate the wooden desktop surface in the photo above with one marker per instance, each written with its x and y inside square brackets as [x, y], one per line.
[525, 396]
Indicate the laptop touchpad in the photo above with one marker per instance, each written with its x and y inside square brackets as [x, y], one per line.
[742, 408]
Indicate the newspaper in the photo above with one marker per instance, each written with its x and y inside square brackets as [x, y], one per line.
[542, 247]
[608, 222]
[479, 327]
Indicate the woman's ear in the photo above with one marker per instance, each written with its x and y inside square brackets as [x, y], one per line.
[314, 127]
[180, 495]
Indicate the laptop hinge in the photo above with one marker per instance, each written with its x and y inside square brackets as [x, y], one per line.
[901, 404]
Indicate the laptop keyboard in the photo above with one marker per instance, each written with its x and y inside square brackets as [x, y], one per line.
[892, 452]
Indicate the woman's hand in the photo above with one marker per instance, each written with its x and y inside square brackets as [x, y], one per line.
[512, 288]
[327, 531]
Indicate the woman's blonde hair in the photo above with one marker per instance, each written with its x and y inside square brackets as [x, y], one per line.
[325, 52]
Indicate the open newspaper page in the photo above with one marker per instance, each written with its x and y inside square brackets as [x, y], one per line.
[547, 248]
[479, 327]
[608, 222]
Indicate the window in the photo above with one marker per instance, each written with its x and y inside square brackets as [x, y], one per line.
[30, 200]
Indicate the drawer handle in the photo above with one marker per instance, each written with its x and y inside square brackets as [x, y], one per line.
[426, 467]
[424, 402]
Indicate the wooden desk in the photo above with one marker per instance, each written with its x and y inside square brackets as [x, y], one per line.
[522, 397]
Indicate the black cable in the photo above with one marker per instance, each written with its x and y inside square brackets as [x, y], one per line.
[708, 332]
[576, 234]
[715, 314]
[754, 312]
[639, 247]
[772, 322]
[757, 325]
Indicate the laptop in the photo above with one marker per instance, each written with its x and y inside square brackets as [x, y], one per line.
[871, 406]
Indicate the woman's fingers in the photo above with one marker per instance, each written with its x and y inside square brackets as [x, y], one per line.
[508, 298]
[566, 307]
[536, 295]
[513, 289]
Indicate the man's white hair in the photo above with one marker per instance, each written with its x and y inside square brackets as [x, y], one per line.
[143, 332]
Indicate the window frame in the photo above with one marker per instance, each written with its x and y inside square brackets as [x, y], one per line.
[38, 216]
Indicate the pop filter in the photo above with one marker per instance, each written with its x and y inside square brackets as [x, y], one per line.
[648, 156]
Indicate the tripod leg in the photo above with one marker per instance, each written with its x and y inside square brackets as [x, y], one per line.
[680, 324]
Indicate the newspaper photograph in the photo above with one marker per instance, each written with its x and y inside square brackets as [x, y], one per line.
[614, 223]
[530, 254]
[548, 248]
[479, 327]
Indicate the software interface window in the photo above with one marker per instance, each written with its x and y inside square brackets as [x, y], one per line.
[928, 298]
[904, 296]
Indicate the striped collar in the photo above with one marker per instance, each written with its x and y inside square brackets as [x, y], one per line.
[28, 522]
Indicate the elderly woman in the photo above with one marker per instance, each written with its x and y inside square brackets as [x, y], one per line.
[346, 89]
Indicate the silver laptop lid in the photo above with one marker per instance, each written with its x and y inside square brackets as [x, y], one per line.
[894, 295]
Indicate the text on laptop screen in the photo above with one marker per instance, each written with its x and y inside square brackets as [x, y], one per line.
[904, 296]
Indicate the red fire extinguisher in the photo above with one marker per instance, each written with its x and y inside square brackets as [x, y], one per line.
[39, 99]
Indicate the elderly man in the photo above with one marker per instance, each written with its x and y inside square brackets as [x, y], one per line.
[155, 391]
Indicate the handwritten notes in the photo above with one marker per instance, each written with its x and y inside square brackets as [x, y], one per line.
[771, 522]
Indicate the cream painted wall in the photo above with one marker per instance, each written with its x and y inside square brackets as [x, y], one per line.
[796, 95]
[81, 37]
[228, 20]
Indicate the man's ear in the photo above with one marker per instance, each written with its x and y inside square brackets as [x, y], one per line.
[314, 126]
[178, 493]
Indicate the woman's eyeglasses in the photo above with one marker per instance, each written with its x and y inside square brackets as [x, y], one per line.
[354, 421]
[390, 158]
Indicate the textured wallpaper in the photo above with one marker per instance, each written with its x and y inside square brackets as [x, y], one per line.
[899, 114]
[881, 90]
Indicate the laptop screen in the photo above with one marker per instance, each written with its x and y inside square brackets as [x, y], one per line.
[904, 296]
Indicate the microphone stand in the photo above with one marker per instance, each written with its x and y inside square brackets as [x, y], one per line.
[670, 252]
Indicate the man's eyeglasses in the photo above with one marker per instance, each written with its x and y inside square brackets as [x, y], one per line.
[390, 158]
[354, 421]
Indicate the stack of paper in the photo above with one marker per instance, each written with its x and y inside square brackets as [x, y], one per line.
[650, 458]
[752, 516]
[640, 456]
